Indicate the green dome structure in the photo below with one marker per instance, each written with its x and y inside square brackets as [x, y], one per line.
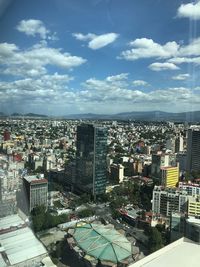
[102, 242]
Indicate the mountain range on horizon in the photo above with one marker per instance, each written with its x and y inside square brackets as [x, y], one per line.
[192, 116]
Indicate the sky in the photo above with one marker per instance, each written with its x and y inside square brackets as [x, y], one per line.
[60, 57]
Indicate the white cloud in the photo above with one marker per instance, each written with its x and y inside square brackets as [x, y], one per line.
[192, 49]
[190, 10]
[32, 62]
[147, 48]
[82, 37]
[119, 77]
[180, 60]
[33, 27]
[181, 77]
[48, 92]
[140, 83]
[7, 50]
[102, 40]
[174, 53]
[121, 98]
[97, 41]
[158, 66]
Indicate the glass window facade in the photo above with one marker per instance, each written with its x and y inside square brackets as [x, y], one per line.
[91, 164]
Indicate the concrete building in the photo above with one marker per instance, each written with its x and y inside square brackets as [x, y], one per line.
[36, 190]
[179, 144]
[193, 150]
[192, 229]
[192, 189]
[167, 200]
[187, 226]
[159, 161]
[194, 206]
[117, 173]
[181, 159]
[169, 176]
[177, 226]
[91, 159]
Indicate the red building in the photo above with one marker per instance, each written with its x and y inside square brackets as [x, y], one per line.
[6, 135]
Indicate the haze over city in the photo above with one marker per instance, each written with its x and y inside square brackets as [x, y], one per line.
[65, 57]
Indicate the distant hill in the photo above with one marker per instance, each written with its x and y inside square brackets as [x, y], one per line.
[139, 115]
[35, 115]
[32, 115]
[134, 115]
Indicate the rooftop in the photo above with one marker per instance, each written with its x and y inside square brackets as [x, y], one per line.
[102, 242]
[35, 179]
[19, 245]
[10, 221]
[182, 252]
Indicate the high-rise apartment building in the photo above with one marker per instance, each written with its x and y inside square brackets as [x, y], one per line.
[36, 190]
[168, 200]
[91, 160]
[170, 176]
[193, 150]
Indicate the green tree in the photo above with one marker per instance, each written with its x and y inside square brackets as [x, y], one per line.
[155, 240]
[85, 213]
[115, 214]
[42, 219]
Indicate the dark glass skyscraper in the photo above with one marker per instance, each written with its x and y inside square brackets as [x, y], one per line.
[91, 164]
[193, 150]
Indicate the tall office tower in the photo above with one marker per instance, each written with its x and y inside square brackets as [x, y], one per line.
[170, 176]
[193, 150]
[91, 160]
[36, 190]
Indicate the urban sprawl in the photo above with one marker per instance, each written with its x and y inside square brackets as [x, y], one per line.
[97, 193]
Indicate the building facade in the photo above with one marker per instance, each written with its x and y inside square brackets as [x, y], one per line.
[91, 159]
[194, 207]
[168, 200]
[193, 150]
[191, 188]
[36, 190]
[117, 173]
[170, 176]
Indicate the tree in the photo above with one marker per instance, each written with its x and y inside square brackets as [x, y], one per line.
[85, 213]
[115, 214]
[42, 219]
[155, 240]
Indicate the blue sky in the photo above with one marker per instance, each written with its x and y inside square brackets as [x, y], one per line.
[62, 57]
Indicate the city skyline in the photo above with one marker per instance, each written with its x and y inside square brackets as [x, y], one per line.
[65, 57]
